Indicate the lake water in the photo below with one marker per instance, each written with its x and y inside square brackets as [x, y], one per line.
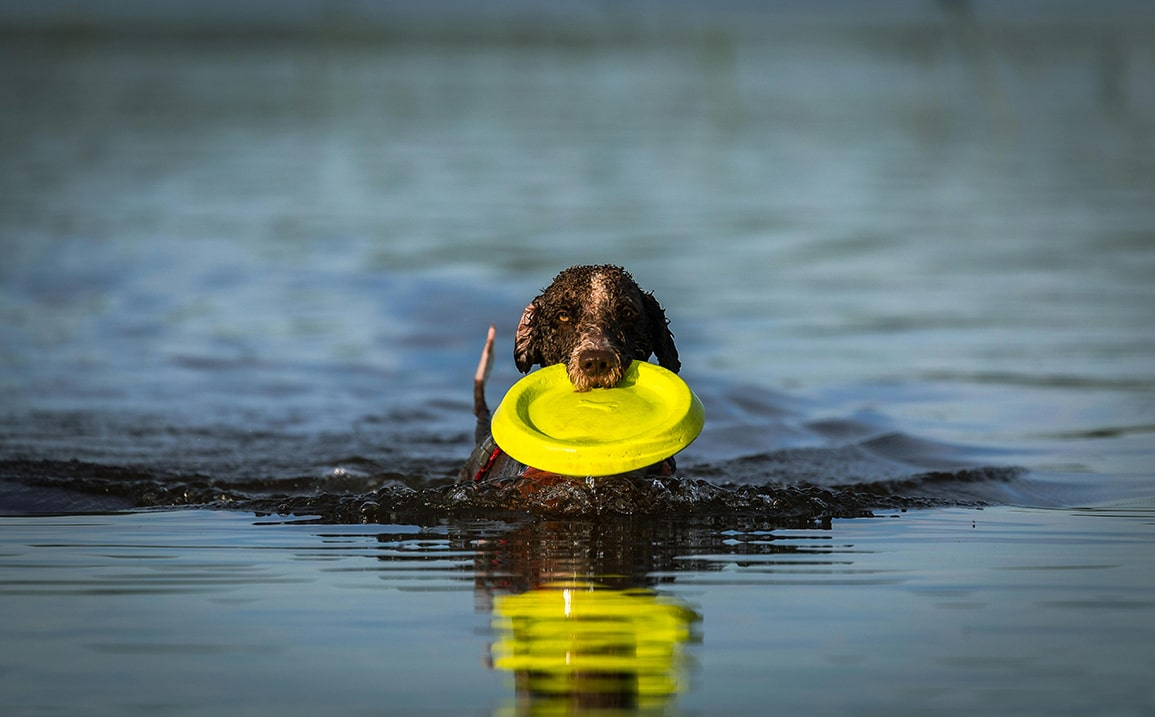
[910, 266]
[998, 611]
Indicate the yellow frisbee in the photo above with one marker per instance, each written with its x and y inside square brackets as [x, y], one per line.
[648, 417]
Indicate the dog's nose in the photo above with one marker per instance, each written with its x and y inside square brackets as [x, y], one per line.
[596, 363]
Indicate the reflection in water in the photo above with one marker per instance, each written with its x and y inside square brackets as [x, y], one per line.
[576, 619]
[577, 645]
[585, 614]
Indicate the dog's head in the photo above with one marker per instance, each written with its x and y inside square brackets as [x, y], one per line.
[595, 320]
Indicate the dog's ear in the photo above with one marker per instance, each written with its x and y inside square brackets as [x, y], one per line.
[526, 346]
[660, 334]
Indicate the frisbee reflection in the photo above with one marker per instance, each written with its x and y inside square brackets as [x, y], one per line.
[580, 620]
[577, 645]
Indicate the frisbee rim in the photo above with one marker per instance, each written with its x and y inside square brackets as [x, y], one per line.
[661, 437]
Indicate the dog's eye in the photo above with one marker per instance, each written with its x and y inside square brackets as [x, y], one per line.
[563, 317]
[628, 312]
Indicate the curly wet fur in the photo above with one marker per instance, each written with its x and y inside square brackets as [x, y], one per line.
[595, 320]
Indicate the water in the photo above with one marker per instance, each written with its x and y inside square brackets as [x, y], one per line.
[909, 263]
[1006, 611]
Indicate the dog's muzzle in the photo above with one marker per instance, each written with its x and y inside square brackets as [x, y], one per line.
[594, 365]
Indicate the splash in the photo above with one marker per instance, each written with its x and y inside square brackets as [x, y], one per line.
[37, 486]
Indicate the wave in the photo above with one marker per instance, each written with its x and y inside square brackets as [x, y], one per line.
[74, 486]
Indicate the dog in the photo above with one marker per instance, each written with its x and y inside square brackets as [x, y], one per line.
[594, 319]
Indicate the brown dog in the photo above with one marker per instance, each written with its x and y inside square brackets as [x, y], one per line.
[596, 321]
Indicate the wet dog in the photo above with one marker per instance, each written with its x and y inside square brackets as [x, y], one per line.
[594, 319]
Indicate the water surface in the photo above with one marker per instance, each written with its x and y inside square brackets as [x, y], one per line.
[244, 280]
[1007, 611]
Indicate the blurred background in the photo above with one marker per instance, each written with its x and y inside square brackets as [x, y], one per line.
[234, 225]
